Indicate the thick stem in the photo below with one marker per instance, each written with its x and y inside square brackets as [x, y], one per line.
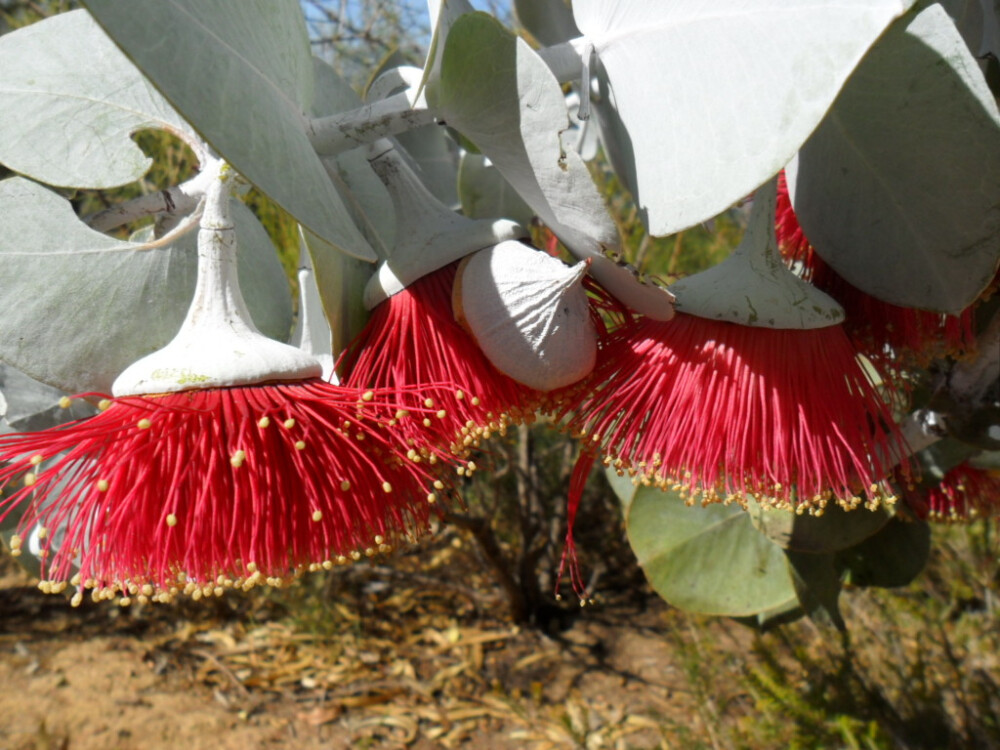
[342, 132]
[178, 200]
[217, 345]
[429, 234]
[217, 296]
[566, 60]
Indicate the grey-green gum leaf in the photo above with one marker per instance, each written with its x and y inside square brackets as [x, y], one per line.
[835, 530]
[548, 21]
[893, 557]
[341, 282]
[817, 580]
[242, 75]
[79, 306]
[365, 197]
[484, 192]
[70, 102]
[442, 14]
[715, 97]
[752, 286]
[517, 122]
[898, 187]
[709, 559]
[27, 405]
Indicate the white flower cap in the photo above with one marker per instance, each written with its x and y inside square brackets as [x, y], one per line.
[218, 344]
[753, 287]
[529, 313]
[429, 235]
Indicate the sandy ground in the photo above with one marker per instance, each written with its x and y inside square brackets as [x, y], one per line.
[402, 671]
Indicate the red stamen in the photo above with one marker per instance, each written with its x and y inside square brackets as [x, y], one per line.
[964, 494]
[216, 488]
[722, 412]
[412, 342]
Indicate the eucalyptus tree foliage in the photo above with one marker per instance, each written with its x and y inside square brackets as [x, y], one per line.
[881, 110]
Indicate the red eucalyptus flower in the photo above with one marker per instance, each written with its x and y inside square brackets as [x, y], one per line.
[776, 407]
[201, 490]
[463, 311]
[722, 411]
[413, 347]
[883, 332]
[258, 471]
[965, 493]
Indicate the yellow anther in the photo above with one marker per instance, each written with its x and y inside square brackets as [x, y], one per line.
[317, 515]
[264, 422]
[77, 599]
[65, 402]
[143, 424]
[459, 395]
[475, 400]
[251, 567]
[427, 422]
[36, 459]
[345, 485]
[367, 395]
[300, 445]
[428, 402]
[288, 423]
[471, 466]
[386, 487]
[379, 539]
[30, 479]
[438, 484]
[402, 414]
[355, 555]
[102, 485]
[104, 404]
[238, 458]
[171, 519]
[42, 532]
[432, 498]
[441, 414]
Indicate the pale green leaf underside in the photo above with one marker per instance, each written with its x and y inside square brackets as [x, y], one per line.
[899, 187]
[69, 103]
[835, 530]
[715, 97]
[241, 73]
[79, 307]
[486, 194]
[709, 559]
